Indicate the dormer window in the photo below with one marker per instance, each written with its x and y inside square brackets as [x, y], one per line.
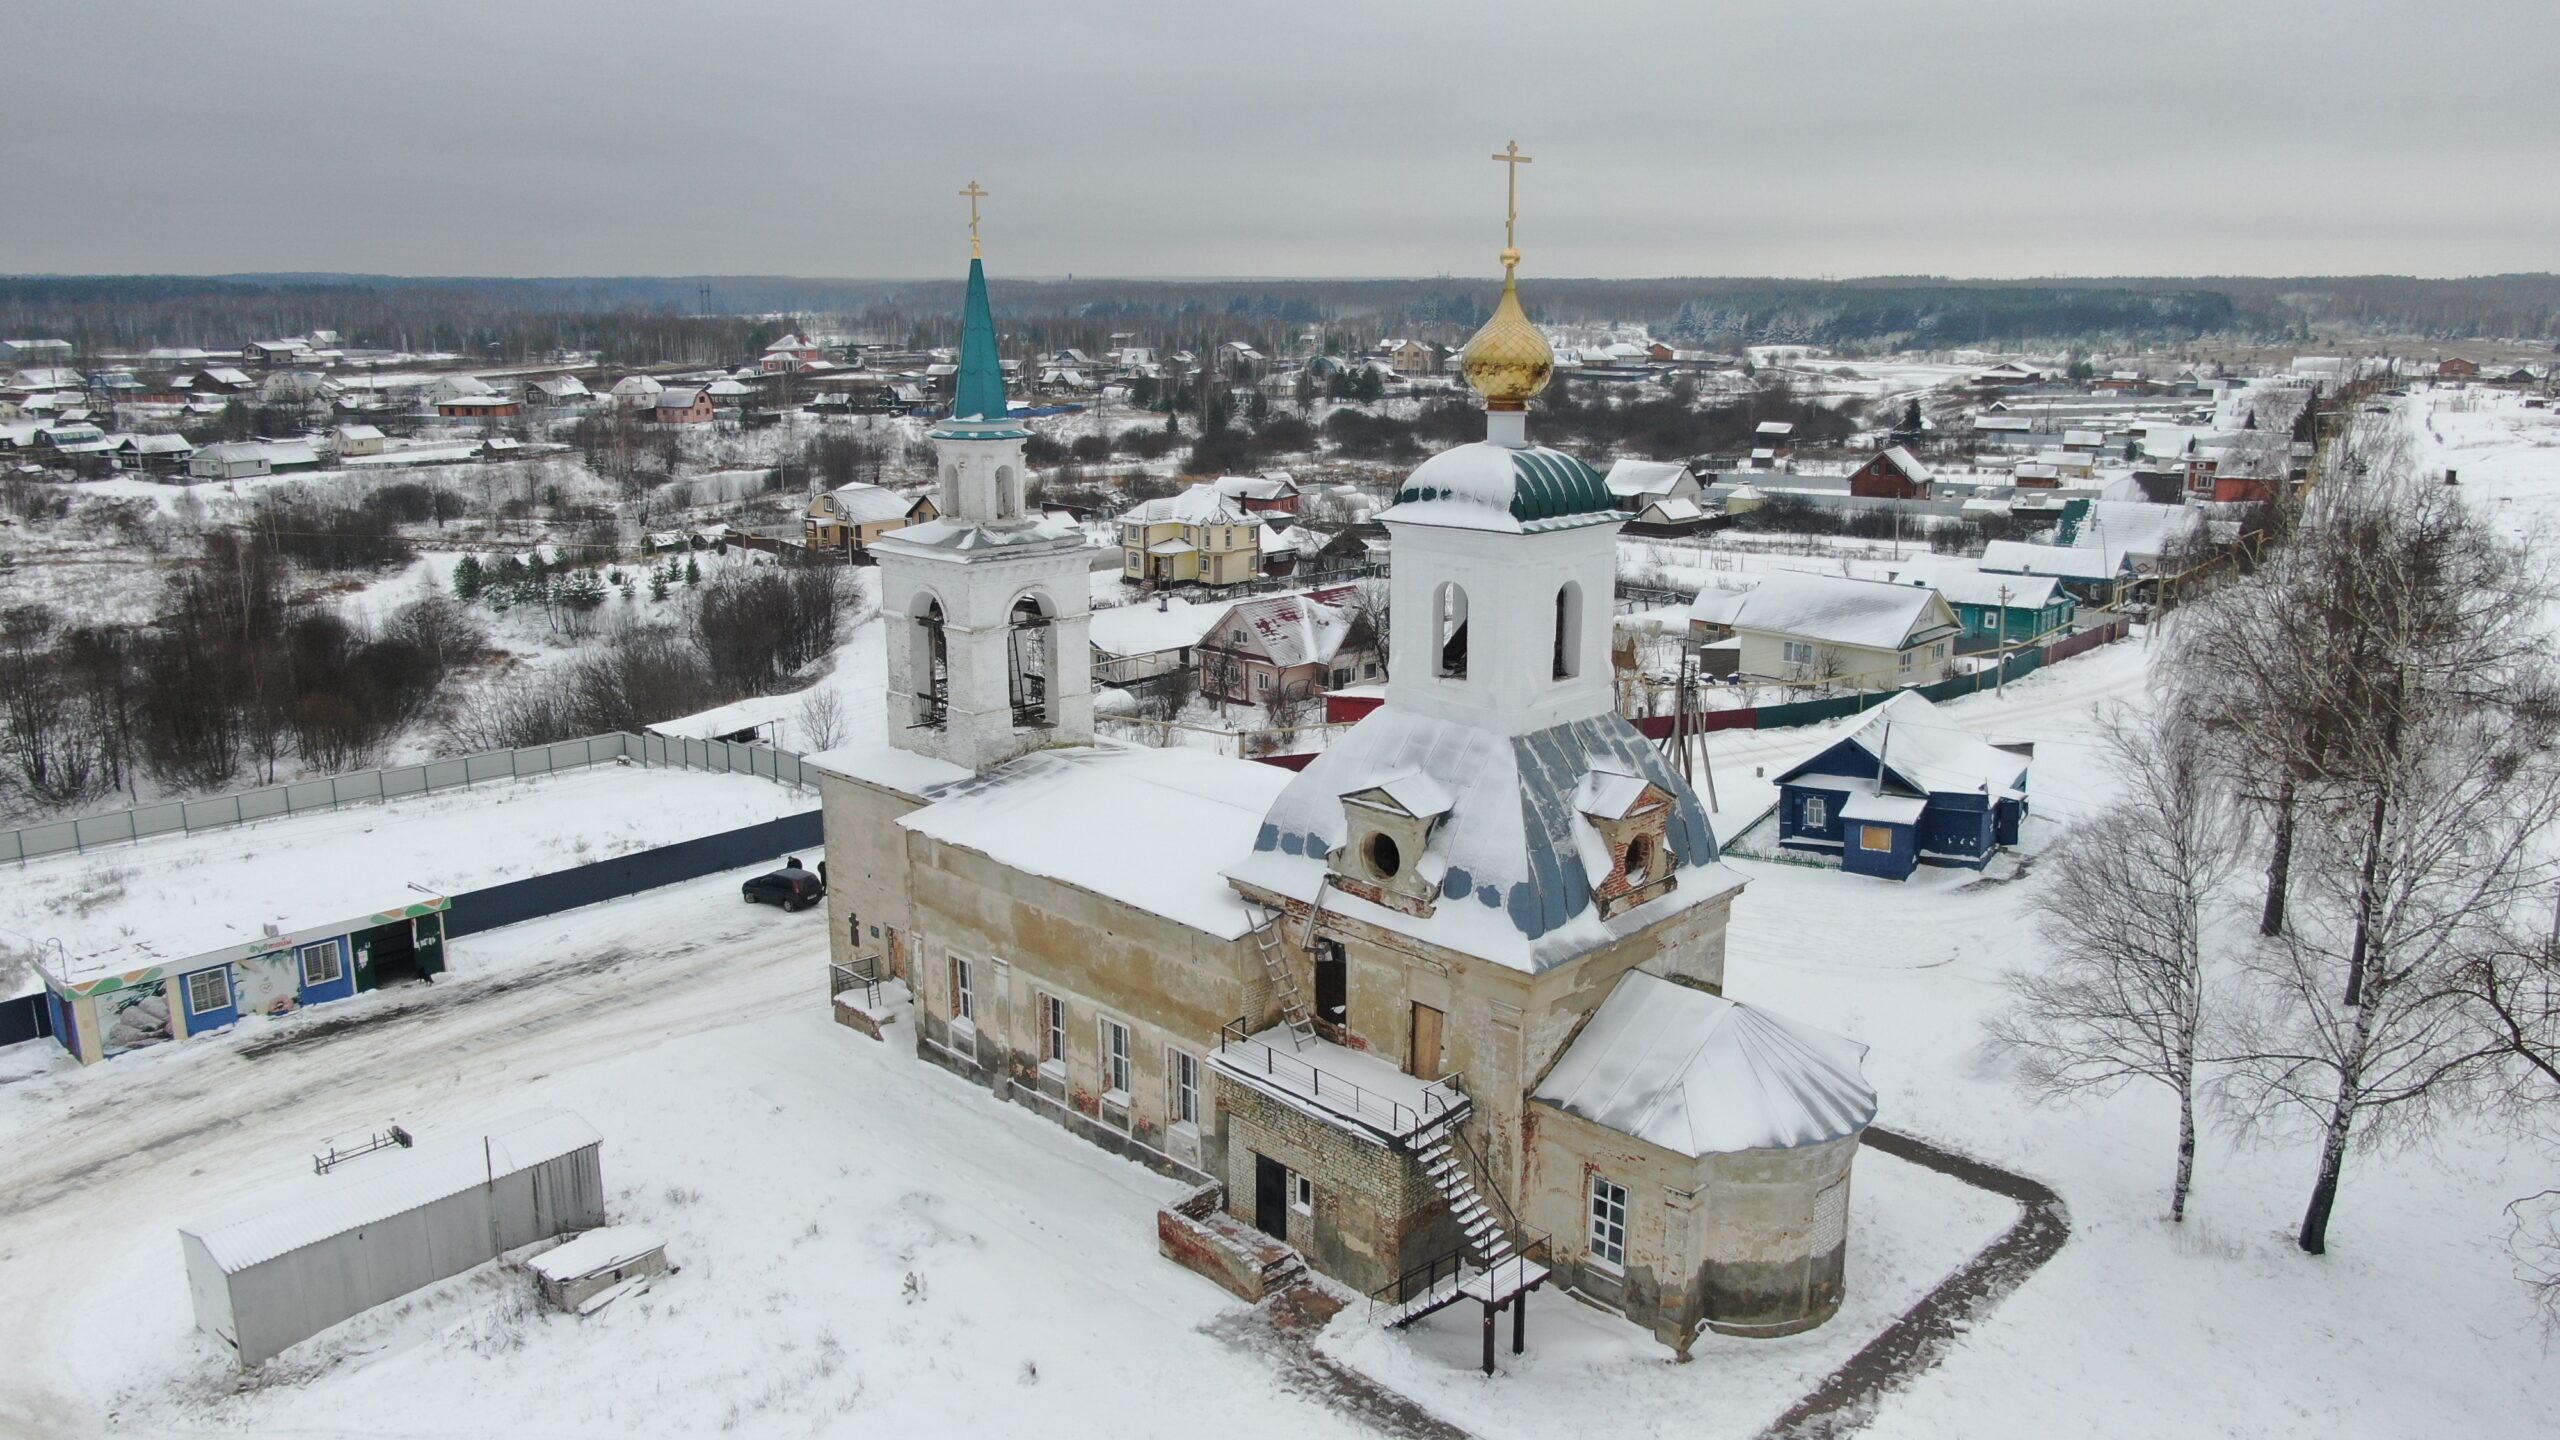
[1385, 857]
[1632, 817]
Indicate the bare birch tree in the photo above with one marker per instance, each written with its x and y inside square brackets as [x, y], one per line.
[2425, 829]
[2121, 999]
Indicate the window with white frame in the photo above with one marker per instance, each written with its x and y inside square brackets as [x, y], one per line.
[1115, 1057]
[208, 990]
[1798, 652]
[1186, 1089]
[1608, 1223]
[964, 995]
[1816, 813]
[1302, 1193]
[1053, 1029]
[320, 963]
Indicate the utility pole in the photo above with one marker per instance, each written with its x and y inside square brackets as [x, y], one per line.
[2000, 679]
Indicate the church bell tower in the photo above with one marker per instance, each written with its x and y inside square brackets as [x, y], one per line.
[987, 607]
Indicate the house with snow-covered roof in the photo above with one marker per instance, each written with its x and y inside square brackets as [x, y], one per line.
[1284, 646]
[1273, 494]
[1831, 630]
[850, 517]
[1199, 537]
[1909, 787]
[1331, 998]
[1893, 473]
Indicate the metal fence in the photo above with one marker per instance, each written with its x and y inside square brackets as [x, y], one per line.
[515, 901]
[330, 792]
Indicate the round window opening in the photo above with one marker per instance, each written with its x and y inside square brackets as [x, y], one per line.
[1385, 860]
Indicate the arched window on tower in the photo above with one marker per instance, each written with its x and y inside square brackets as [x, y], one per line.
[1030, 632]
[929, 660]
[1449, 630]
[1008, 492]
[1568, 643]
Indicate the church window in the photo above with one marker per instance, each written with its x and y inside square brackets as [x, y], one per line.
[1449, 630]
[1608, 1223]
[1053, 1029]
[964, 994]
[1008, 497]
[1115, 1059]
[1385, 860]
[1186, 1089]
[1568, 638]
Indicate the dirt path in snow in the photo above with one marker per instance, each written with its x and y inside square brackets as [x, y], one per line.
[1847, 1398]
[1284, 1330]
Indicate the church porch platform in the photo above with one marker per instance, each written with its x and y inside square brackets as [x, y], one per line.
[1348, 1089]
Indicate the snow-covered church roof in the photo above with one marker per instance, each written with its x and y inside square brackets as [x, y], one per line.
[1514, 859]
[1698, 1074]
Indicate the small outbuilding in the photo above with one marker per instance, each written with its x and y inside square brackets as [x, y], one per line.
[586, 1273]
[280, 1270]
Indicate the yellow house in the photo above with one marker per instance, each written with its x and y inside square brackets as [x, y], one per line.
[849, 517]
[1198, 537]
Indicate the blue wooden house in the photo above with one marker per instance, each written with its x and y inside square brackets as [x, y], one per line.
[1908, 788]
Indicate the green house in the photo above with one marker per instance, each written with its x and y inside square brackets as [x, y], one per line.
[2011, 608]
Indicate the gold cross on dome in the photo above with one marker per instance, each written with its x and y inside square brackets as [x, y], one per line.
[1512, 158]
[976, 193]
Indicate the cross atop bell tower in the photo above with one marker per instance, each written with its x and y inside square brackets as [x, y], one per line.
[976, 193]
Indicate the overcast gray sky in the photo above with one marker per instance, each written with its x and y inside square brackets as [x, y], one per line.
[544, 137]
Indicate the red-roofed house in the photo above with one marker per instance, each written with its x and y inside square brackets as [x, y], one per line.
[1288, 645]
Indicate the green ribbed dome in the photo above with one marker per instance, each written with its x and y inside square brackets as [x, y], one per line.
[1529, 484]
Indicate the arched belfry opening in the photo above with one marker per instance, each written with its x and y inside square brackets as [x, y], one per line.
[1031, 641]
[1449, 630]
[1008, 493]
[929, 663]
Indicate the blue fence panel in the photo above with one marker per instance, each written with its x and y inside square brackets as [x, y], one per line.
[528, 899]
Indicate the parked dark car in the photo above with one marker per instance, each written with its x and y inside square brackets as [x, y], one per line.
[790, 889]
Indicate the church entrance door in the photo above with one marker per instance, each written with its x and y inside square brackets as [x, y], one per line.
[1271, 1197]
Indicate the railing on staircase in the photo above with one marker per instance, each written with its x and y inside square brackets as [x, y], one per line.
[1284, 987]
[863, 974]
[1496, 1258]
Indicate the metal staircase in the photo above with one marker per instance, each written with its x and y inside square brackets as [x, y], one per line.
[1275, 963]
[1489, 1266]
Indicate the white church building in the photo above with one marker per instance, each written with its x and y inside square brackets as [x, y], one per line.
[1442, 1013]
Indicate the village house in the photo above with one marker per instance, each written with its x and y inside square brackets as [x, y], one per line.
[154, 452]
[1441, 1013]
[2007, 375]
[2091, 574]
[1905, 789]
[1274, 494]
[1286, 646]
[1415, 357]
[2457, 368]
[682, 405]
[558, 390]
[2003, 609]
[1136, 643]
[1892, 474]
[1810, 629]
[789, 354]
[848, 518]
[637, 392]
[230, 460]
[352, 440]
[1199, 537]
[1659, 497]
[480, 407]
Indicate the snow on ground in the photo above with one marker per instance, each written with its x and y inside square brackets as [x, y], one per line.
[868, 1245]
[173, 896]
[1587, 1371]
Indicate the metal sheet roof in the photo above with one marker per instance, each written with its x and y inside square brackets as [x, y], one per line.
[1698, 1074]
[331, 1205]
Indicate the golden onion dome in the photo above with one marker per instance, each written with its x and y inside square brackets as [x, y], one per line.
[1508, 360]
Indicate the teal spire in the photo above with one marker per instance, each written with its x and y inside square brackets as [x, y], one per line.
[978, 393]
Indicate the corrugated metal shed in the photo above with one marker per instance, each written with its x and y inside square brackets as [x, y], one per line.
[266, 1276]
